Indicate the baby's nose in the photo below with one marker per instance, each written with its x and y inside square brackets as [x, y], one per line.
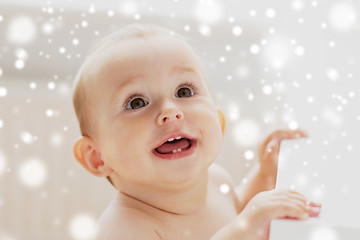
[170, 112]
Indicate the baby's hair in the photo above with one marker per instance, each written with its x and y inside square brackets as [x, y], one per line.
[80, 95]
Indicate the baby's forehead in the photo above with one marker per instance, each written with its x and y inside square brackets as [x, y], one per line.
[122, 56]
[126, 48]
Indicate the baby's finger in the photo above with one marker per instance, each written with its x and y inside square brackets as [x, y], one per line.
[286, 134]
[313, 209]
[291, 209]
[289, 134]
[313, 204]
[288, 203]
[299, 196]
[274, 139]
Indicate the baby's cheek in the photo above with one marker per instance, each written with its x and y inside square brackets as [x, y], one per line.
[213, 130]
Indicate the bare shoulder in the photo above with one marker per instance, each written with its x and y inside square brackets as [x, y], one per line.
[123, 222]
[222, 180]
[222, 184]
[220, 176]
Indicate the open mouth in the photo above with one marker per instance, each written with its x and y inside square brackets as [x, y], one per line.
[175, 147]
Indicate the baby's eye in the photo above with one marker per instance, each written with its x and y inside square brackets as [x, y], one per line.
[136, 103]
[184, 92]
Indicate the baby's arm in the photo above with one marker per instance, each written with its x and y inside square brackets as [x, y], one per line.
[262, 176]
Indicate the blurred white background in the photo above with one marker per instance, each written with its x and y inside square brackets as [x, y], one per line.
[271, 64]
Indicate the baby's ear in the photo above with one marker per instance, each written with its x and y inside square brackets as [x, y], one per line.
[222, 120]
[88, 155]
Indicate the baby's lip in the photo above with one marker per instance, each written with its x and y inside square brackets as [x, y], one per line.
[174, 136]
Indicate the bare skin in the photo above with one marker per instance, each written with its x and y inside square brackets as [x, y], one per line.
[144, 92]
[217, 211]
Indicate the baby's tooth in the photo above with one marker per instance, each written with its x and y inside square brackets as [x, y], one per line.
[176, 150]
[178, 138]
[171, 139]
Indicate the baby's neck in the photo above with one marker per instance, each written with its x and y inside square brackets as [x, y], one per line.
[183, 199]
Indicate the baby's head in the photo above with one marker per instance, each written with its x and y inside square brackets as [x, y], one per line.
[145, 111]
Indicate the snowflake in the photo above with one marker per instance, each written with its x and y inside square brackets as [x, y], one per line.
[246, 133]
[22, 30]
[32, 172]
[3, 163]
[208, 11]
[82, 226]
[3, 92]
[342, 16]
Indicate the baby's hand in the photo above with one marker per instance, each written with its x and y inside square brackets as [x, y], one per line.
[269, 150]
[254, 220]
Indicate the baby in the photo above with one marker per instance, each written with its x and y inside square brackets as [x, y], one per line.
[150, 125]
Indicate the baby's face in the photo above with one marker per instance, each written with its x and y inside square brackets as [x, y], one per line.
[156, 121]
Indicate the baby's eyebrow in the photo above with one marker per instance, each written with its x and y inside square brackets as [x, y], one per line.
[128, 80]
[185, 69]
[120, 86]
